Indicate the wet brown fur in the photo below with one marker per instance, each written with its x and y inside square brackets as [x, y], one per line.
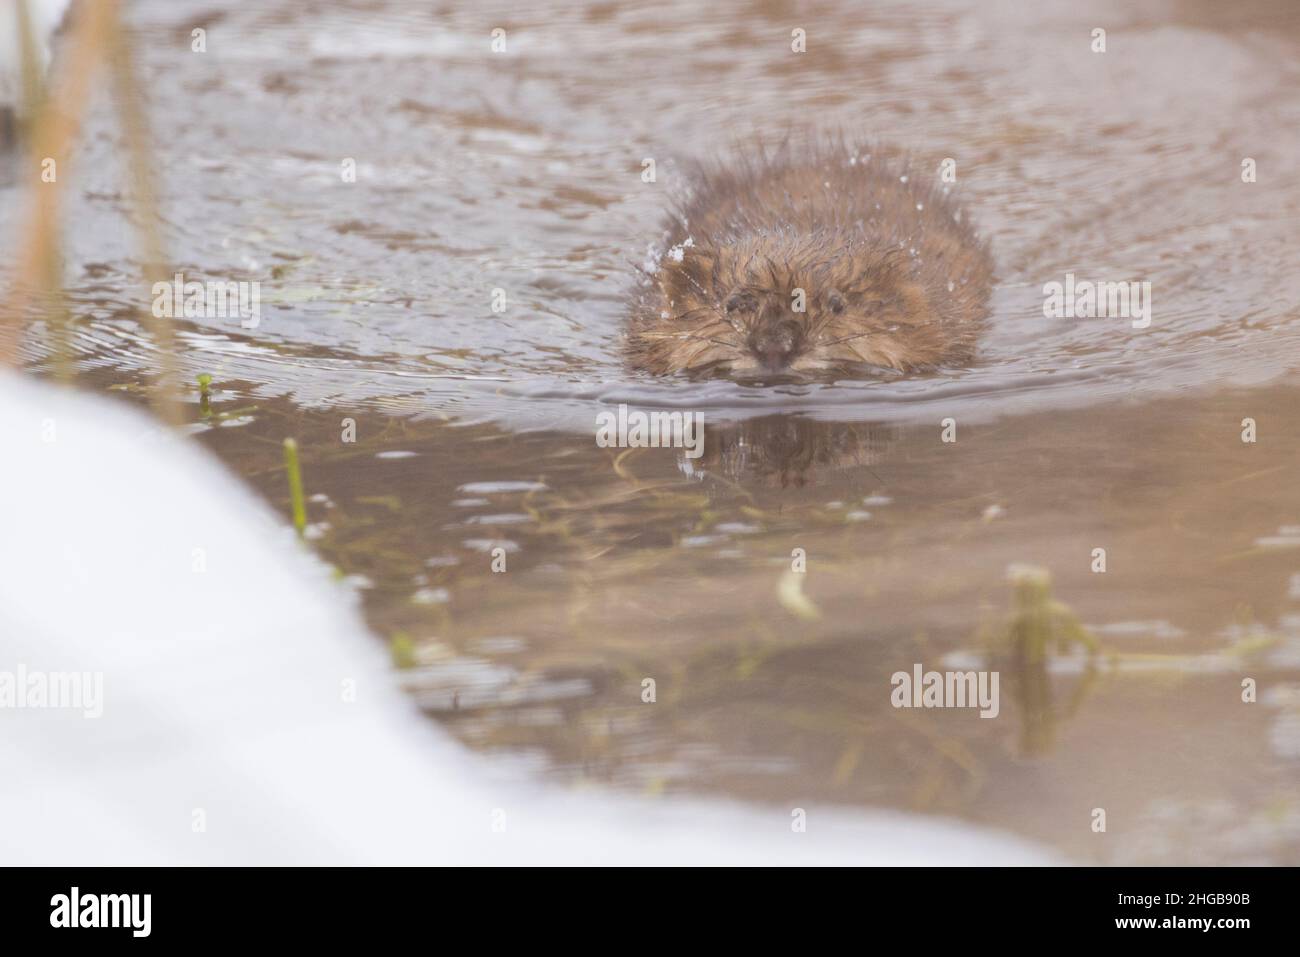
[894, 276]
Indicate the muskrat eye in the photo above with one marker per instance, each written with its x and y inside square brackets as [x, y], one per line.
[835, 302]
[741, 302]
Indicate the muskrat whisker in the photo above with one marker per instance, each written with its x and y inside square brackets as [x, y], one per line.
[835, 342]
[688, 335]
[735, 325]
[818, 325]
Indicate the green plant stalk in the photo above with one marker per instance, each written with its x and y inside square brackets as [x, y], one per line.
[205, 394]
[295, 485]
[402, 649]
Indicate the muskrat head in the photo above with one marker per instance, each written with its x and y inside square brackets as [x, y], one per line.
[774, 305]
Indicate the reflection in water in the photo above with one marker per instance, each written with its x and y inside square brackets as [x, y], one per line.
[786, 451]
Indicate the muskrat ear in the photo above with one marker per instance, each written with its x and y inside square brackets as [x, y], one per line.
[681, 280]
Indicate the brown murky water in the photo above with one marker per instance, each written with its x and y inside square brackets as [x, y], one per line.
[521, 171]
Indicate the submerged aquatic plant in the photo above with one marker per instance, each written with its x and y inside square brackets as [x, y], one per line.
[295, 486]
[1039, 627]
[789, 592]
[1039, 620]
[402, 649]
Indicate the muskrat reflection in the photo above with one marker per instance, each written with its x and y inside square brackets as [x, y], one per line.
[788, 451]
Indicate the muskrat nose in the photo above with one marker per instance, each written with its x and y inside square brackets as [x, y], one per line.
[775, 344]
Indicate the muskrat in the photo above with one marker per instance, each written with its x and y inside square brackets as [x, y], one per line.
[893, 276]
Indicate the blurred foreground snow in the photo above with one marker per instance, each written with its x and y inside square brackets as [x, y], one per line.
[226, 653]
